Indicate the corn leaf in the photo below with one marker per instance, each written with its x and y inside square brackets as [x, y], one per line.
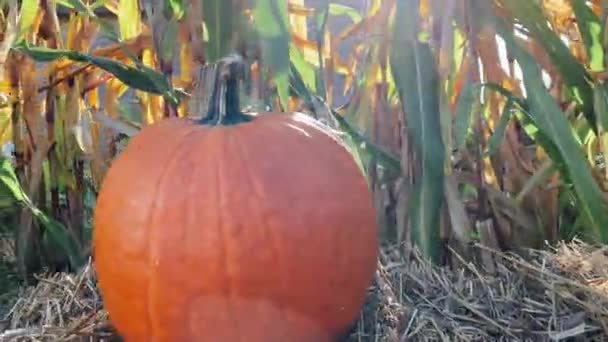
[530, 15]
[499, 132]
[129, 19]
[417, 81]
[550, 120]
[384, 158]
[592, 32]
[28, 13]
[55, 231]
[178, 8]
[362, 149]
[76, 5]
[272, 24]
[218, 16]
[340, 9]
[306, 70]
[464, 111]
[600, 96]
[140, 77]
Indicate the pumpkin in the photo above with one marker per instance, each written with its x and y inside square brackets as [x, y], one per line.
[234, 227]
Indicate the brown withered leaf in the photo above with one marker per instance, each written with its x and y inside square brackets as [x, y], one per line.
[49, 27]
[524, 231]
[32, 103]
[10, 31]
[194, 18]
[489, 239]
[459, 220]
[559, 13]
[114, 90]
[81, 32]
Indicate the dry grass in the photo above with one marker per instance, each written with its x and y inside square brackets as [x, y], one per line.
[551, 296]
[561, 294]
[62, 307]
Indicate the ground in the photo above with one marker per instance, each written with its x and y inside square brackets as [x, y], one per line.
[555, 294]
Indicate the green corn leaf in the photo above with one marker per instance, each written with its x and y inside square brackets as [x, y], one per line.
[140, 77]
[521, 110]
[384, 158]
[95, 5]
[339, 9]
[306, 70]
[499, 132]
[178, 8]
[600, 96]
[592, 32]
[10, 181]
[128, 18]
[321, 21]
[417, 81]
[464, 110]
[54, 230]
[27, 15]
[298, 86]
[362, 149]
[76, 5]
[271, 18]
[552, 122]
[218, 16]
[530, 15]
[168, 40]
[600, 90]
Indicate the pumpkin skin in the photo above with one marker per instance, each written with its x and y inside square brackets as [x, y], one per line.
[259, 231]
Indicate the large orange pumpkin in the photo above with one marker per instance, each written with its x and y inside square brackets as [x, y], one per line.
[252, 228]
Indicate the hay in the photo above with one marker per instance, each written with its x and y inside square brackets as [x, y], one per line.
[61, 307]
[551, 295]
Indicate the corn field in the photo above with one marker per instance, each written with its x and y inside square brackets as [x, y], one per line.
[475, 121]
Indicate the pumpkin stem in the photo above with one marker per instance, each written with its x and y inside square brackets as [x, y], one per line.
[224, 105]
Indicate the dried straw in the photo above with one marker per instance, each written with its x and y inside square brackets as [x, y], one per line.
[549, 296]
[61, 307]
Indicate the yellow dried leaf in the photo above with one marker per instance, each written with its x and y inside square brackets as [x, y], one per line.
[298, 8]
[511, 84]
[82, 132]
[129, 19]
[425, 8]
[151, 104]
[114, 91]
[297, 18]
[185, 55]
[32, 105]
[5, 127]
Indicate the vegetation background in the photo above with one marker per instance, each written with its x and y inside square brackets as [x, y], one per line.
[475, 121]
